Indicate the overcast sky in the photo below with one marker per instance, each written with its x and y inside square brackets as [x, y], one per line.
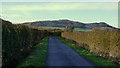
[86, 12]
[60, 0]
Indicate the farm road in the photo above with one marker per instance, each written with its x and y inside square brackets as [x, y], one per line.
[60, 54]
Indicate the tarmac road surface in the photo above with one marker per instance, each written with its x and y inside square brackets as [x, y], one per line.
[60, 54]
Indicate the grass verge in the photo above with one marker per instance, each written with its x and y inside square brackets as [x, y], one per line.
[38, 56]
[99, 61]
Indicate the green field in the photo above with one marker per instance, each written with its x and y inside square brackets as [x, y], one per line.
[99, 61]
[38, 56]
[51, 27]
[62, 28]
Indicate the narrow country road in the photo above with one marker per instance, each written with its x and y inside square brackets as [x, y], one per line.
[60, 54]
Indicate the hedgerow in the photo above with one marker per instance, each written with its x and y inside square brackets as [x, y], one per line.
[105, 43]
[17, 42]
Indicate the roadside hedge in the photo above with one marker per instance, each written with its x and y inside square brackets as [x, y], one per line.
[105, 43]
[17, 42]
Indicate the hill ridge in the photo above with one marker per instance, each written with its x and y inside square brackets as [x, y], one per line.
[66, 22]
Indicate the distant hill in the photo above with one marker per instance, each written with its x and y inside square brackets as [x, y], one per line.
[68, 23]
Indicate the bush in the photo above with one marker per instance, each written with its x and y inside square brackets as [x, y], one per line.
[105, 43]
[17, 42]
